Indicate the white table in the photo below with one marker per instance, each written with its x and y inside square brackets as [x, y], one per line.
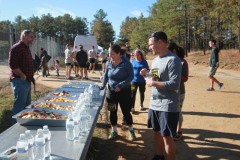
[61, 147]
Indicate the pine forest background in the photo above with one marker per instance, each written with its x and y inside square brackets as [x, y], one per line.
[189, 23]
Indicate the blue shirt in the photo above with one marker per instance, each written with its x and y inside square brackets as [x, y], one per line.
[118, 76]
[137, 67]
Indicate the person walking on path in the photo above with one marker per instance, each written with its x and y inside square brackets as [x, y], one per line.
[118, 75]
[138, 81]
[82, 59]
[163, 112]
[21, 71]
[214, 64]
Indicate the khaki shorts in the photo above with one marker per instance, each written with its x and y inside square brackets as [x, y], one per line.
[212, 71]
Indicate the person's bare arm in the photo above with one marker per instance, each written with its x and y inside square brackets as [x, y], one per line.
[18, 72]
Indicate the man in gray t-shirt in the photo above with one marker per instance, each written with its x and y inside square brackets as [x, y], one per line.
[164, 104]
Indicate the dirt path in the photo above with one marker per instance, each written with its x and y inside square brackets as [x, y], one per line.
[211, 121]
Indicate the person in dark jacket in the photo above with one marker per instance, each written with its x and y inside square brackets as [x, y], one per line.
[118, 76]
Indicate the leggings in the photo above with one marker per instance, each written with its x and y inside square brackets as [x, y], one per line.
[142, 88]
[124, 99]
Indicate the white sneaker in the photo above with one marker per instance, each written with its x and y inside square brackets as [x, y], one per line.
[141, 108]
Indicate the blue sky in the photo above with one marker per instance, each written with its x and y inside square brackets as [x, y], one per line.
[116, 10]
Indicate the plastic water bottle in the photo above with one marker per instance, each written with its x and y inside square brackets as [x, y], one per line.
[47, 136]
[30, 140]
[39, 146]
[22, 147]
[70, 127]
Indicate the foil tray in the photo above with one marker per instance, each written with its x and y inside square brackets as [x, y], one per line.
[47, 98]
[41, 122]
[61, 104]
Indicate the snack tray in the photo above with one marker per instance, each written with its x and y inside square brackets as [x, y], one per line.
[74, 93]
[63, 104]
[41, 122]
[44, 99]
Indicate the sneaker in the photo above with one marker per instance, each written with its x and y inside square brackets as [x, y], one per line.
[220, 86]
[157, 157]
[132, 135]
[210, 89]
[113, 135]
[141, 108]
[178, 136]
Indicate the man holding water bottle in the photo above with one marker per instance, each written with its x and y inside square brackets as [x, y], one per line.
[164, 81]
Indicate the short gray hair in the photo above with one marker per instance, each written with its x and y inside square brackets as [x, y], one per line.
[25, 32]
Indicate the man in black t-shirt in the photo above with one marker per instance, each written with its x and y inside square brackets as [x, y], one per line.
[82, 59]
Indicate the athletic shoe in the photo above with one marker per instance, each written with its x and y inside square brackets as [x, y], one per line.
[132, 135]
[141, 108]
[157, 157]
[113, 135]
[210, 89]
[220, 86]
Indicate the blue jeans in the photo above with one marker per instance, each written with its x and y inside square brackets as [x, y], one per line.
[22, 95]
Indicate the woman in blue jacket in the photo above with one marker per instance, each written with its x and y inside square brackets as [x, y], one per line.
[118, 75]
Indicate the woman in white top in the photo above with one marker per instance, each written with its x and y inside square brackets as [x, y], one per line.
[68, 60]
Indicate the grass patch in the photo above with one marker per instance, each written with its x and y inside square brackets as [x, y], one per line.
[6, 103]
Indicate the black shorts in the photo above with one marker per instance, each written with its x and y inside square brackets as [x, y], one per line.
[68, 64]
[104, 60]
[163, 122]
[92, 60]
[83, 65]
